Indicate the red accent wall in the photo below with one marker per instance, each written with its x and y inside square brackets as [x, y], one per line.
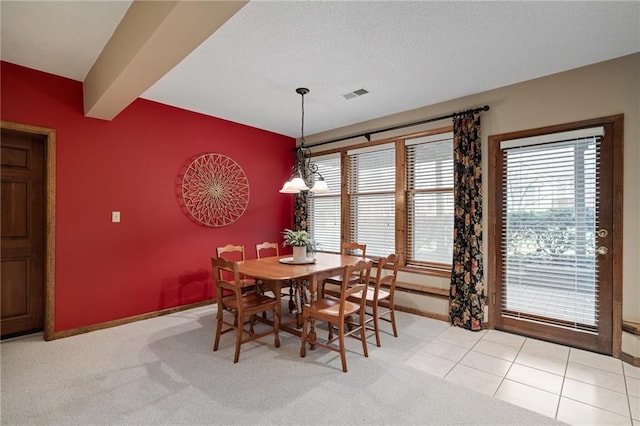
[156, 257]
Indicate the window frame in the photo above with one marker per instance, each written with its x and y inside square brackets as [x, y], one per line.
[411, 192]
[384, 195]
[334, 193]
[439, 270]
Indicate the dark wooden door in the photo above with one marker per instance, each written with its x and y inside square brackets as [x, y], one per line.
[22, 232]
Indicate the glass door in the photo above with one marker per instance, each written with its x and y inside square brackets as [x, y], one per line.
[553, 232]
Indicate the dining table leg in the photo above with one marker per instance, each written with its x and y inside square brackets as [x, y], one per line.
[313, 287]
[299, 293]
[276, 288]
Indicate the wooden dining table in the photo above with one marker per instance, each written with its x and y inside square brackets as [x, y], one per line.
[275, 273]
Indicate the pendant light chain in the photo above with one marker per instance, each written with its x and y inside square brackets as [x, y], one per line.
[302, 92]
[303, 169]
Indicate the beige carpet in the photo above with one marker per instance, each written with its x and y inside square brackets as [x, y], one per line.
[163, 371]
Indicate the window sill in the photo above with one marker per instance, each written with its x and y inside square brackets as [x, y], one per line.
[427, 270]
[423, 289]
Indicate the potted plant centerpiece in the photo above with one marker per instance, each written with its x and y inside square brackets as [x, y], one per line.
[301, 242]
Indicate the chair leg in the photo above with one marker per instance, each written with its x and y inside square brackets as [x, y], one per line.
[252, 321]
[363, 332]
[238, 341]
[330, 331]
[312, 333]
[376, 324]
[343, 355]
[276, 326]
[218, 331]
[393, 320]
[349, 320]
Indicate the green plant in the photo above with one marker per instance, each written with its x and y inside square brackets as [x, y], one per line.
[298, 238]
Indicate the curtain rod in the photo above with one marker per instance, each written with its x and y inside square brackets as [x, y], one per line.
[401, 126]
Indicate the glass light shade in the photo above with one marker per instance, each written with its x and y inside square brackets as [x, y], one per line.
[320, 186]
[288, 189]
[298, 184]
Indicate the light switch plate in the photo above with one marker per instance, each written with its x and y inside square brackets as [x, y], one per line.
[115, 217]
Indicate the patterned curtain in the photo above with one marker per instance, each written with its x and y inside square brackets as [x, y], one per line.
[300, 222]
[467, 278]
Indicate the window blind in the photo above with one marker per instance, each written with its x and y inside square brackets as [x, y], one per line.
[324, 208]
[549, 221]
[371, 183]
[430, 200]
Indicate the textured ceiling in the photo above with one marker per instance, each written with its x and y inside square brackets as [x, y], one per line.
[406, 54]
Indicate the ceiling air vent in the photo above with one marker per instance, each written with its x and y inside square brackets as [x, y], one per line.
[355, 94]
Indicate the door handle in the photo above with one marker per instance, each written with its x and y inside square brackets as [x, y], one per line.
[602, 233]
[602, 250]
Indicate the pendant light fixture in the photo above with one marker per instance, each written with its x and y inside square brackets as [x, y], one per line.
[303, 171]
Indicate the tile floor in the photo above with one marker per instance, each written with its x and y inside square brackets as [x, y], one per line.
[573, 386]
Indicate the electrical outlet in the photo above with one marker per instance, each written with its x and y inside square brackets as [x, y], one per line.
[115, 217]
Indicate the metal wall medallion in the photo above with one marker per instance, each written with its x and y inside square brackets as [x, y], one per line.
[215, 190]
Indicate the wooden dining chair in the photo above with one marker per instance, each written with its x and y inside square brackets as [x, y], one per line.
[379, 297]
[241, 305]
[267, 249]
[235, 253]
[271, 249]
[336, 311]
[354, 249]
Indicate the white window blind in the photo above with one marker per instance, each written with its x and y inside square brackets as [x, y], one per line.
[430, 200]
[324, 208]
[371, 181]
[549, 214]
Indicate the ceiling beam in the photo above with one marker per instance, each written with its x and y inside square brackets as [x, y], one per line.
[151, 39]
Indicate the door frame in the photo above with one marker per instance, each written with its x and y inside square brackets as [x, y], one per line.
[50, 221]
[495, 202]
